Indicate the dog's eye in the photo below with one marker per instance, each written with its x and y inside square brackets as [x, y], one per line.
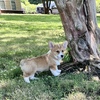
[58, 51]
[62, 50]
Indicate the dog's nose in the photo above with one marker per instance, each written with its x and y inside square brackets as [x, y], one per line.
[62, 56]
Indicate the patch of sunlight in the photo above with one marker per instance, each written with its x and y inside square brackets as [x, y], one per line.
[45, 96]
[77, 96]
[15, 35]
[98, 14]
[95, 78]
[3, 84]
[5, 39]
[99, 25]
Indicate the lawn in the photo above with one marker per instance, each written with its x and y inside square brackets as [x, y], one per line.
[23, 36]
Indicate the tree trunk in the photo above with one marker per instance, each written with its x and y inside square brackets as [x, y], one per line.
[81, 30]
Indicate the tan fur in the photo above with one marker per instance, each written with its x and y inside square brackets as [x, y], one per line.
[42, 63]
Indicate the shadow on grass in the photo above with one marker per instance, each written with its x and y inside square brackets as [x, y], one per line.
[16, 48]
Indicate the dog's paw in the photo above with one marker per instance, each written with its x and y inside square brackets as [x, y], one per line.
[26, 79]
[55, 72]
[32, 77]
[59, 71]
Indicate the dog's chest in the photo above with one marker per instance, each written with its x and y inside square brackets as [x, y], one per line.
[57, 62]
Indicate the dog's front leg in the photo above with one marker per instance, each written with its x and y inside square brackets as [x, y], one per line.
[58, 70]
[54, 70]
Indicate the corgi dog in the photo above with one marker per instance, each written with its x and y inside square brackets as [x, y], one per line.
[48, 61]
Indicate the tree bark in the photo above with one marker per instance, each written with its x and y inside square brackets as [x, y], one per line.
[81, 29]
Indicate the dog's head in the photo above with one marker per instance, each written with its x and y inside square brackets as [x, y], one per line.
[57, 50]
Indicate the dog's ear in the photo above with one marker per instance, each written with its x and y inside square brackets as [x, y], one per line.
[51, 45]
[65, 44]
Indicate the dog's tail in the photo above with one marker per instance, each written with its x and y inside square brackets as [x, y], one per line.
[22, 62]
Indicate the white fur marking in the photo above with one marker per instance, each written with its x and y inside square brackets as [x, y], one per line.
[59, 71]
[57, 62]
[32, 77]
[26, 79]
[59, 55]
[55, 72]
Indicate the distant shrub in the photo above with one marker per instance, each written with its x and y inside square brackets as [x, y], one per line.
[28, 8]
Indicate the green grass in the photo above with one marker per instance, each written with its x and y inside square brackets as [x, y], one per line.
[98, 19]
[23, 36]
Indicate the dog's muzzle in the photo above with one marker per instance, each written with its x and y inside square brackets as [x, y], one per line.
[62, 56]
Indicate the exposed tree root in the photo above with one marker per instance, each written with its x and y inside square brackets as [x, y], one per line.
[92, 67]
[72, 67]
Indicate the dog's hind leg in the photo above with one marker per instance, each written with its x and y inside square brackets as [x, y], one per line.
[26, 79]
[32, 77]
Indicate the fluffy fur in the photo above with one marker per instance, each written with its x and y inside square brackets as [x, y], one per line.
[48, 61]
